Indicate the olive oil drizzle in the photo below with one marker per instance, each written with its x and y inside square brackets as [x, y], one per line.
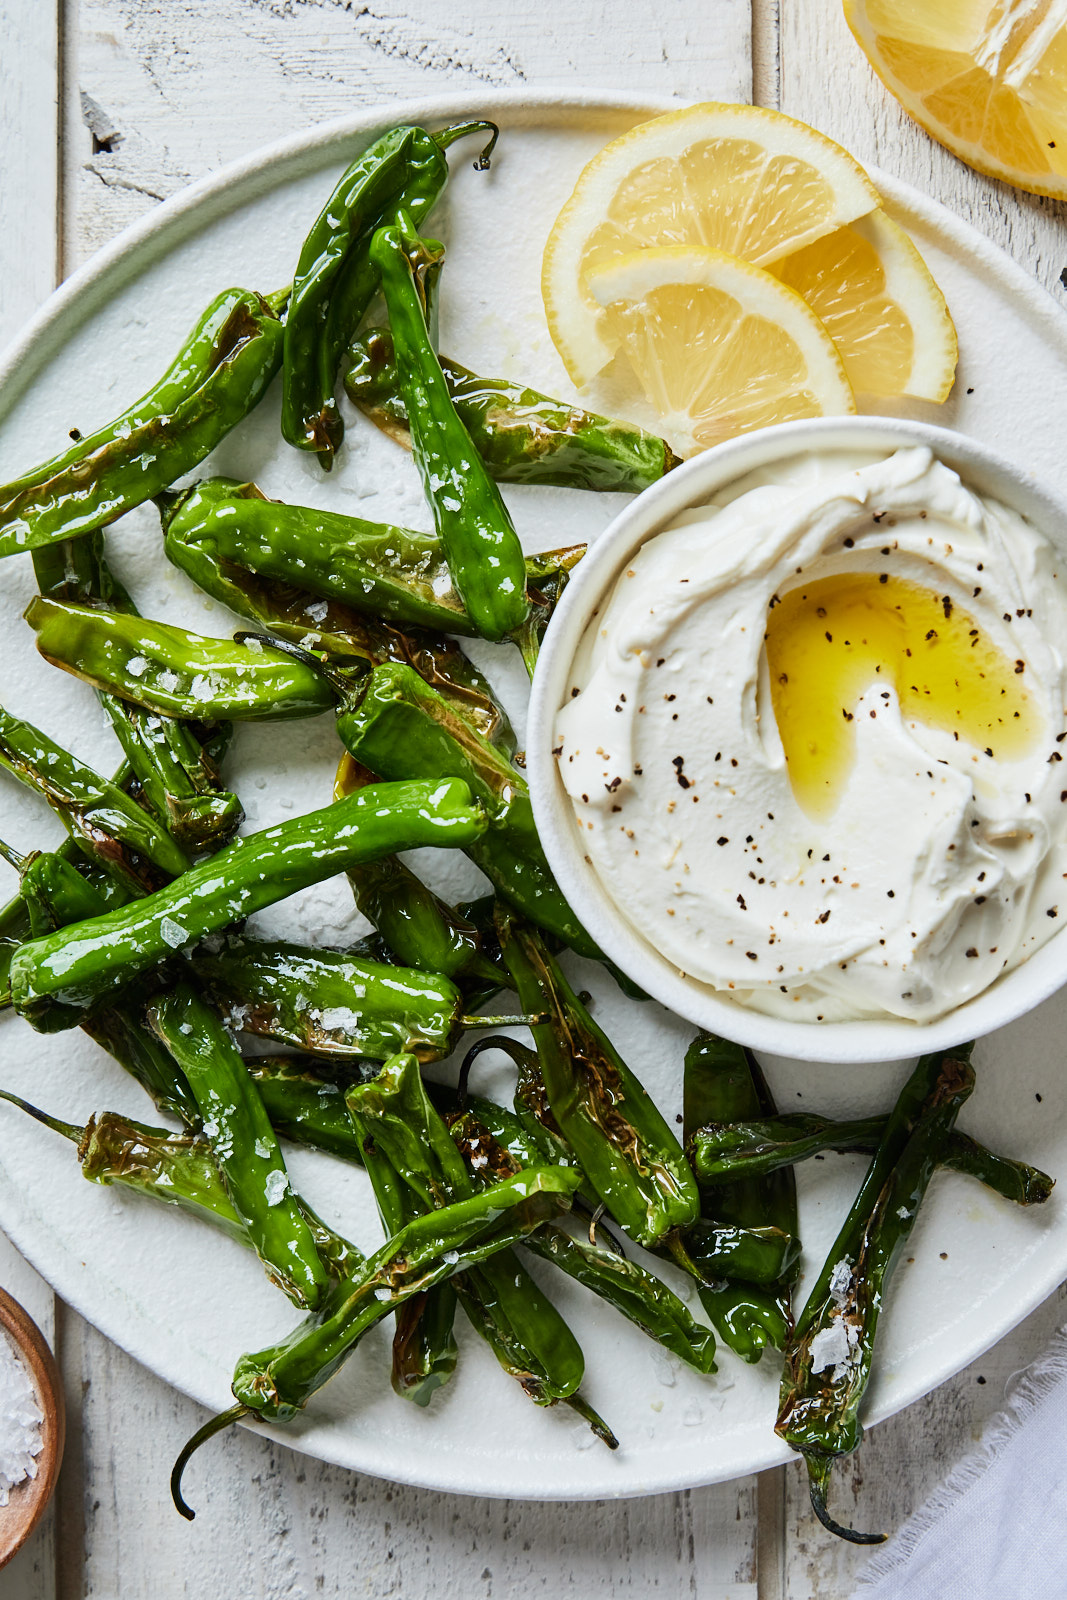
[829, 641]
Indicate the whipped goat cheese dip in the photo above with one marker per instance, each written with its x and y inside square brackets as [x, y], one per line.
[813, 739]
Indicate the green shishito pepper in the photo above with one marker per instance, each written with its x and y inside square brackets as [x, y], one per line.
[243, 1141]
[178, 778]
[828, 1359]
[174, 672]
[725, 1153]
[124, 465]
[496, 1144]
[177, 1169]
[723, 1081]
[109, 827]
[521, 435]
[476, 532]
[402, 727]
[526, 1333]
[307, 1108]
[332, 1004]
[277, 1382]
[80, 963]
[625, 1146]
[335, 280]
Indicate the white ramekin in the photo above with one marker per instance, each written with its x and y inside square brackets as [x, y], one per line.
[691, 484]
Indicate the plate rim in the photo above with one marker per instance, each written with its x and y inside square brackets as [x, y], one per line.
[139, 247]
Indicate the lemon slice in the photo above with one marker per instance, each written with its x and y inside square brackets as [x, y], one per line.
[872, 290]
[735, 178]
[987, 79]
[718, 346]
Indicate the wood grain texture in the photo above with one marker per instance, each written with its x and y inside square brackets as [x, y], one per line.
[817, 51]
[29, 172]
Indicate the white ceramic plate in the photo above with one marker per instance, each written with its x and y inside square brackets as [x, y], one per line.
[183, 1300]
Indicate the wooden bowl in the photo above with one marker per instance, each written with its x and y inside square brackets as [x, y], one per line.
[28, 1500]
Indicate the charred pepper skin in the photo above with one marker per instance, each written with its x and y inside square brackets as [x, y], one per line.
[476, 532]
[624, 1145]
[723, 1153]
[401, 725]
[335, 280]
[723, 1081]
[133, 463]
[178, 778]
[243, 1141]
[80, 964]
[331, 1003]
[173, 672]
[818, 1411]
[277, 1382]
[521, 435]
[110, 829]
[398, 1125]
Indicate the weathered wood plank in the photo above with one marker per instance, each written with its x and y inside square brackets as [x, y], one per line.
[29, 138]
[157, 83]
[274, 1524]
[817, 50]
[29, 199]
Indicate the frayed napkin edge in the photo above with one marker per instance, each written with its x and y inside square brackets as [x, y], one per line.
[1024, 1392]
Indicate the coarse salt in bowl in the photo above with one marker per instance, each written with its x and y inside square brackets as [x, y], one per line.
[690, 486]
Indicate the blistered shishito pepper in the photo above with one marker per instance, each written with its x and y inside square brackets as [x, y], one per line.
[277, 1382]
[521, 435]
[333, 1004]
[173, 672]
[626, 1149]
[476, 532]
[81, 963]
[495, 1144]
[243, 1142]
[178, 779]
[110, 829]
[335, 280]
[401, 725]
[216, 532]
[828, 1359]
[419, 928]
[131, 461]
[306, 1107]
[722, 1081]
[724, 1153]
[178, 1169]
[526, 1333]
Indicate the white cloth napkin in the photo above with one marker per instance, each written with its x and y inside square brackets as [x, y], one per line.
[997, 1528]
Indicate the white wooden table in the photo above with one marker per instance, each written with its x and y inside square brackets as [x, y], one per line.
[106, 108]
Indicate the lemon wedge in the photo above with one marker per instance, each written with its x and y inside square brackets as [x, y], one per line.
[989, 80]
[741, 179]
[719, 347]
[872, 290]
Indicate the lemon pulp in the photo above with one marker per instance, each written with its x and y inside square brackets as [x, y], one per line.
[829, 641]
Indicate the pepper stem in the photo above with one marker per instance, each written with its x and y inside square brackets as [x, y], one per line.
[449, 136]
[69, 1130]
[13, 857]
[596, 1422]
[201, 1436]
[519, 1054]
[819, 1468]
[279, 299]
[527, 1020]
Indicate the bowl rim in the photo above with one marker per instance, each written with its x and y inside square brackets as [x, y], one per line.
[29, 1500]
[863, 1040]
